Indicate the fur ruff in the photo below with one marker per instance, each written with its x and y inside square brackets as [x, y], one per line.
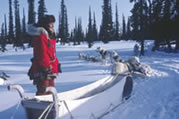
[35, 31]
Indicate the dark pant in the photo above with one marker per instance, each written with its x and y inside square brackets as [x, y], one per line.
[42, 85]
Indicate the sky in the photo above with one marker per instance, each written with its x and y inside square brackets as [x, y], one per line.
[75, 8]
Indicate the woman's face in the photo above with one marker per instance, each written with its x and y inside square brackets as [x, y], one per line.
[51, 27]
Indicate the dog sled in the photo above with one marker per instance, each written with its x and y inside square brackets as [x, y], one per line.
[88, 102]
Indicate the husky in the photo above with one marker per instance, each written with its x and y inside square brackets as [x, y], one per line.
[132, 66]
[134, 62]
[120, 68]
[104, 53]
[94, 58]
[82, 56]
[90, 57]
[145, 69]
[115, 57]
[139, 67]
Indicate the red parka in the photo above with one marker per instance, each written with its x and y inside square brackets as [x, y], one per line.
[44, 55]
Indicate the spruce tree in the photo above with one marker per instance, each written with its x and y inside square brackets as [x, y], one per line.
[18, 40]
[106, 29]
[71, 36]
[41, 9]
[59, 26]
[31, 19]
[31, 12]
[116, 31]
[11, 26]
[74, 33]
[157, 24]
[142, 24]
[154, 19]
[2, 38]
[24, 27]
[139, 20]
[150, 7]
[134, 21]
[95, 31]
[123, 27]
[5, 28]
[66, 26]
[132, 0]
[128, 33]
[80, 34]
[175, 23]
[63, 24]
[78, 31]
[89, 34]
[167, 22]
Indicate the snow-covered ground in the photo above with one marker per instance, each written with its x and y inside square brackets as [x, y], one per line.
[156, 97]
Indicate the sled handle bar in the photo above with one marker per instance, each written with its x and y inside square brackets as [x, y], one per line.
[18, 88]
[55, 99]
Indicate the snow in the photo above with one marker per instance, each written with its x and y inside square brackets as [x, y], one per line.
[155, 97]
[2, 81]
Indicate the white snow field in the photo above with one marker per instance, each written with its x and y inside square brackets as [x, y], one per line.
[155, 97]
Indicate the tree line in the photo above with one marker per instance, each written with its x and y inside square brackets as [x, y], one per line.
[16, 34]
[150, 19]
[157, 20]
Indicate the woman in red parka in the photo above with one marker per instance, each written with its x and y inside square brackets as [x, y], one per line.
[45, 65]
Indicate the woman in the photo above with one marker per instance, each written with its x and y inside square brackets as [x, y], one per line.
[45, 65]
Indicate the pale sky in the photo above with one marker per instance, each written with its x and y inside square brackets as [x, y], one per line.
[75, 8]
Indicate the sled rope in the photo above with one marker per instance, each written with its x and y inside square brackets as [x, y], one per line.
[17, 107]
[68, 109]
[92, 116]
[107, 112]
[110, 106]
[49, 107]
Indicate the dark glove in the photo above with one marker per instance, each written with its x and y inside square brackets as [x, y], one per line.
[46, 72]
[30, 73]
[59, 68]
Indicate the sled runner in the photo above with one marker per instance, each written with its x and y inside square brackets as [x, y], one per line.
[88, 102]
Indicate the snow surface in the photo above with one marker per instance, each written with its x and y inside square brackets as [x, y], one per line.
[156, 97]
[2, 82]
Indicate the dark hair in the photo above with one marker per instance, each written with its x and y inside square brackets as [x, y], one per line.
[45, 20]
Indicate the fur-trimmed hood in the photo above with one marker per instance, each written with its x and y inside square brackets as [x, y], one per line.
[35, 31]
